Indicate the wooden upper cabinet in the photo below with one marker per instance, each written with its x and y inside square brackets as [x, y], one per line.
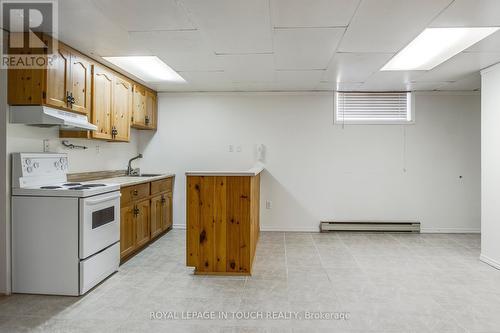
[102, 107]
[80, 78]
[122, 106]
[65, 84]
[145, 108]
[58, 79]
[139, 102]
[151, 110]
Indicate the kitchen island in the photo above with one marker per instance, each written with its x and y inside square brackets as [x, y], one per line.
[222, 220]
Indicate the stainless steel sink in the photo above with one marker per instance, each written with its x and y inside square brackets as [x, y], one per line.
[147, 175]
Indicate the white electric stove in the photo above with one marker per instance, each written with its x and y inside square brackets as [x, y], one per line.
[65, 235]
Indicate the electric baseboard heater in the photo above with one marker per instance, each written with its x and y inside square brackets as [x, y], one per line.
[387, 226]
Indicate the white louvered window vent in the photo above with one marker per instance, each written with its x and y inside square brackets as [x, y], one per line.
[373, 107]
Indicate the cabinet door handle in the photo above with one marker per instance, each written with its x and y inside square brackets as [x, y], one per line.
[135, 192]
[163, 200]
[68, 97]
[146, 120]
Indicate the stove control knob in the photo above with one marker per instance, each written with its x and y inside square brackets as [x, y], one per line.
[56, 164]
[28, 161]
[29, 169]
[36, 165]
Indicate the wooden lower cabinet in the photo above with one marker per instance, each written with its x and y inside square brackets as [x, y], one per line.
[161, 213]
[127, 231]
[222, 223]
[143, 231]
[146, 214]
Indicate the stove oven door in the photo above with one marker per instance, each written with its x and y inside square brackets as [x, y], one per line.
[99, 223]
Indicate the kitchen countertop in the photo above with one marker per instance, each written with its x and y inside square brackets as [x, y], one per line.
[124, 181]
[254, 171]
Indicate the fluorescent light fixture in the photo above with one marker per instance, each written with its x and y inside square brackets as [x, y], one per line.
[147, 68]
[434, 46]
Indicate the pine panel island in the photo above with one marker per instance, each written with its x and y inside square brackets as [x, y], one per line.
[222, 221]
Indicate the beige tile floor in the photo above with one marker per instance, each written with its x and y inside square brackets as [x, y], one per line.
[385, 282]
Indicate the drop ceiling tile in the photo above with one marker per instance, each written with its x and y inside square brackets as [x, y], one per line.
[135, 15]
[389, 81]
[425, 86]
[340, 86]
[182, 50]
[389, 25]
[355, 67]
[310, 48]
[298, 77]
[205, 78]
[460, 66]
[472, 82]
[312, 13]
[490, 44]
[233, 26]
[470, 13]
[252, 67]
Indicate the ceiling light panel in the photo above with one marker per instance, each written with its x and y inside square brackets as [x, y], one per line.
[434, 46]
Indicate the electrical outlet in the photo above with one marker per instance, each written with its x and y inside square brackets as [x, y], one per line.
[97, 149]
[46, 145]
[231, 148]
[238, 149]
[269, 204]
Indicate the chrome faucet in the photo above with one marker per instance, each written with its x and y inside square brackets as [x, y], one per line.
[129, 168]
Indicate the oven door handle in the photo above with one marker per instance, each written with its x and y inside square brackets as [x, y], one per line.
[100, 200]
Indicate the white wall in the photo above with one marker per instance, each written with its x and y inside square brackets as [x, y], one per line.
[100, 155]
[316, 170]
[490, 166]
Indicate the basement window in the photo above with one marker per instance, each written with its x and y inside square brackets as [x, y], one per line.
[373, 107]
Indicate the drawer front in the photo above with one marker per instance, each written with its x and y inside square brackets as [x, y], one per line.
[163, 185]
[133, 193]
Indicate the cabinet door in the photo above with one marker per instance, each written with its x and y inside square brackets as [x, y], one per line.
[139, 102]
[58, 79]
[122, 105]
[157, 215]
[167, 211]
[143, 234]
[127, 231]
[151, 110]
[102, 87]
[80, 73]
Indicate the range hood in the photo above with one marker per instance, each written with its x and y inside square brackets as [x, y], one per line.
[40, 115]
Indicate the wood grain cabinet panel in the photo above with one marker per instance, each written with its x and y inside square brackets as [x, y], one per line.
[58, 79]
[128, 241]
[222, 223]
[156, 215]
[139, 103]
[102, 107]
[151, 110]
[80, 81]
[145, 108]
[143, 223]
[122, 106]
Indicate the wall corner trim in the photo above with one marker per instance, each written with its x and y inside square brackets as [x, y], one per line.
[492, 262]
[491, 68]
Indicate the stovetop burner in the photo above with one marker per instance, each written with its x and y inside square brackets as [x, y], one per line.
[80, 188]
[94, 185]
[50, 187]
[72, 184]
